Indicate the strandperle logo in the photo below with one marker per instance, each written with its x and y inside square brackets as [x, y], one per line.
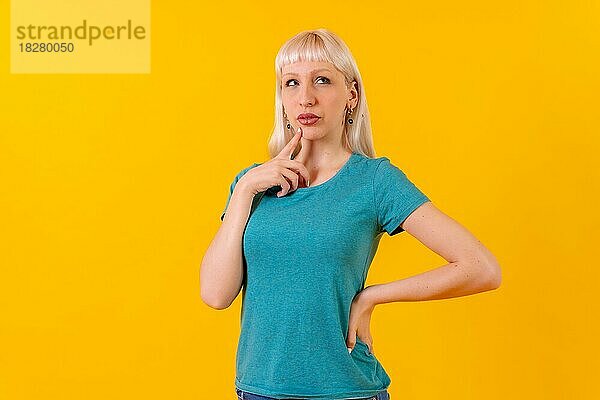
[84, 31]
[87, 36]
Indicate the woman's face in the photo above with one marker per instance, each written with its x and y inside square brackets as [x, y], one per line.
[317, 88]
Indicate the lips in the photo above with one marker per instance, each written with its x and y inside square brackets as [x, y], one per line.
[308, 118]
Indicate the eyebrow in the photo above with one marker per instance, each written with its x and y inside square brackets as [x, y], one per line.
[316, 70]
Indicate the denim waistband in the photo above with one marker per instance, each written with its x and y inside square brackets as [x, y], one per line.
[243, 395]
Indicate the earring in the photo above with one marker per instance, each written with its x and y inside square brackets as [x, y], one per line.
[350, 120]
[288, 125]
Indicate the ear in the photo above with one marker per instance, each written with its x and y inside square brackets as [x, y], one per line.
[354, 94]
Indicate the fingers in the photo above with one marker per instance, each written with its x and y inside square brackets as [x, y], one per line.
[351, 341]
[298, 167]
[285, 186]
[293, 167]
[304, 152]
[287, 151]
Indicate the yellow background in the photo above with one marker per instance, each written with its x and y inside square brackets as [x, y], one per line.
[111, 188]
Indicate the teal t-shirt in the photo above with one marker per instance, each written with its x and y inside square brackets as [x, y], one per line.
[306, 256]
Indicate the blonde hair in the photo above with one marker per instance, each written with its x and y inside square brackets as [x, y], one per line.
[322, 45]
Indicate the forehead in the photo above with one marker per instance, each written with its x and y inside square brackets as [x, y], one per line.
[308, 67]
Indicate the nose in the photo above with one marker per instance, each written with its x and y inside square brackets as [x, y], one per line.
[307, 97]
[307, 102]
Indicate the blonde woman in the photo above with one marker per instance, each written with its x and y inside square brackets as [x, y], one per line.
[300, 230]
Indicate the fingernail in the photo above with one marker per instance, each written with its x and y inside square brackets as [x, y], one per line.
[349, 350]
[308, 183]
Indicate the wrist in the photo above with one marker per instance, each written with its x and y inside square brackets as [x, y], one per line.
[371, 295]
[243, 189]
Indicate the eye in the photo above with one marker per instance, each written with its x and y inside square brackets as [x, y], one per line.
[320, 77]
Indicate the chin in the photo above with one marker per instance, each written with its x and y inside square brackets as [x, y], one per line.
[312, 134]
[311, 130]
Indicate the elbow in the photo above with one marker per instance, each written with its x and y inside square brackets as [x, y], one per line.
[488, 271]
[493, 276]
[218, 291]
[210, 292]
[218, 306]
[213, 297]
[214, 301]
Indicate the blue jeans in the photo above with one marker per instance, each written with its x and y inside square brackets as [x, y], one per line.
[242, 395]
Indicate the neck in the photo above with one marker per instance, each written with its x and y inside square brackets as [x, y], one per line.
[323, 158]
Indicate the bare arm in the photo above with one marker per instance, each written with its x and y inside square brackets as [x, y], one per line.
[471, 267]
[221, 271]
[222, 267]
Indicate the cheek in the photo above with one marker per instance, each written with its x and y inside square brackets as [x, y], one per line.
[335, 108]
[335, 101]
[286, 103]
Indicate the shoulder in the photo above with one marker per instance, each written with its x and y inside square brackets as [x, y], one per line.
[246, 169]
[386, 175]
[377, 166]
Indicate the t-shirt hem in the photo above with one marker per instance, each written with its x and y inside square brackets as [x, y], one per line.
[396, 222]
[321, 396]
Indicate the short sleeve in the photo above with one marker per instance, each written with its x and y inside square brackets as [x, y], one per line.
[232, 186]
[396, 197]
